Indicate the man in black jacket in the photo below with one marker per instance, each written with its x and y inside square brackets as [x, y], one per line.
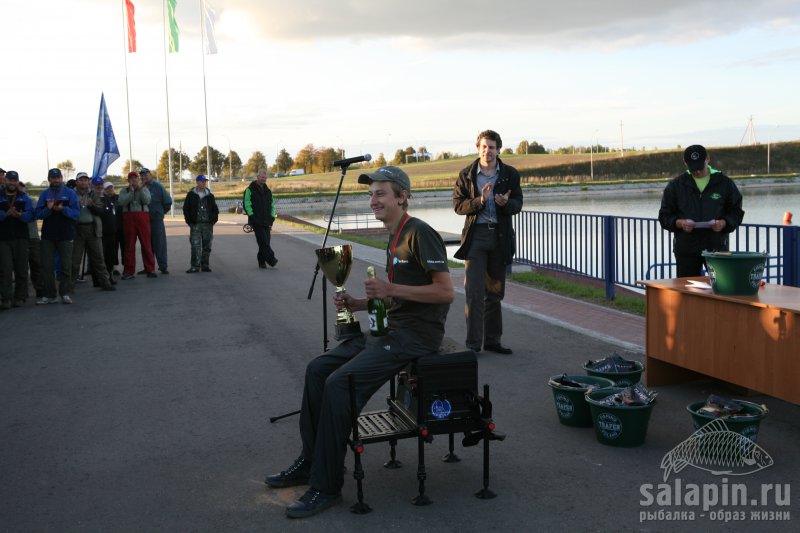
[260, 208]
[488, 192]
[701, 207]
[200, 212]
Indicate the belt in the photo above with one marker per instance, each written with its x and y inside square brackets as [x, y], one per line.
[490, 225]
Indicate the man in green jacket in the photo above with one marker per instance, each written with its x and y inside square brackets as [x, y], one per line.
[260, 208]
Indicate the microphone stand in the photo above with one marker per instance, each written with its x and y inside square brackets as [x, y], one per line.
[272, 419]
[316, 269]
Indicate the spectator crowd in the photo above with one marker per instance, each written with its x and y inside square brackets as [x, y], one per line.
[86, 228]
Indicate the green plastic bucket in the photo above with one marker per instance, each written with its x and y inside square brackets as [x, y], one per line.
[744, 425]
[618, 425]
[735, 273]
[620, 379]
[571, 406]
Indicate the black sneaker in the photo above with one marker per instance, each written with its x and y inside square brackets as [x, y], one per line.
[297, 474]
[205, 269]
[152, 275]
[497, 348]
[192, 270]
[163, 270]
[311, 503]
[262, 265]
[272, 262]
[142, 272]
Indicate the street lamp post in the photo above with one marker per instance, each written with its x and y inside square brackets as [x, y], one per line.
[46, 150]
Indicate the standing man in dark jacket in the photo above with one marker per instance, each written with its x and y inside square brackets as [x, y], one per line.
[160, 203]
[58, 209]
[701, 207]
[105, 191]
[200, 212]
[260, 208]
[16, 211]
[488, 192]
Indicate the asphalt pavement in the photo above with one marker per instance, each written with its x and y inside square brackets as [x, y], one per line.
[147, 409]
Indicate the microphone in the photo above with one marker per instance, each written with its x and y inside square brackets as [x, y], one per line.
[351, 160]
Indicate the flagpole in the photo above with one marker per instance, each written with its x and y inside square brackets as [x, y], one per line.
[205, 98]
[127, 98]
[166, 92]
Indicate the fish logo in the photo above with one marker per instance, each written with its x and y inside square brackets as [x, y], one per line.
[718, 450]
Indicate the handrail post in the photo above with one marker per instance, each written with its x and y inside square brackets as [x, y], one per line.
[791, 256]
[609, 255]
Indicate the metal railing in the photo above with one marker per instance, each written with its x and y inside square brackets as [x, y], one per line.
[622, 250]
[351, 221]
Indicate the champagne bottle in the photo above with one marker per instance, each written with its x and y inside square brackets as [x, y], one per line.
[378, 322]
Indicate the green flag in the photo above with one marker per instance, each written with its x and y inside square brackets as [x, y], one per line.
[174, 32]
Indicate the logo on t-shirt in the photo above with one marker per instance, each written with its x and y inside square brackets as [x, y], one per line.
[716, 196]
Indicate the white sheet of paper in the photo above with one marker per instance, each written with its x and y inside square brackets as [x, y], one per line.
[703, 224]
[695, 284]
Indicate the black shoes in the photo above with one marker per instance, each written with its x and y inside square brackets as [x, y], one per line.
[297, 474]
[311, 503]
[192, 270]
[152, 275]
[163, 270]
[262, 265]
[109, 288]
[205, 269]
[272, 262]
[142, 272]
[497, 348]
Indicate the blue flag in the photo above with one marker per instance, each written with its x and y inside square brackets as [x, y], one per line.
[106, 150]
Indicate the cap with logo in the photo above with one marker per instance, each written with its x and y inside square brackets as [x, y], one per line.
[695, 157]
[54, 173]
[143, 171]
[97, 180]
[201, 177]
[12, 175]
[389, 173]
[80, 175]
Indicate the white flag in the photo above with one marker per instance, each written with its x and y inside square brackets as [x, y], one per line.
[209, 19]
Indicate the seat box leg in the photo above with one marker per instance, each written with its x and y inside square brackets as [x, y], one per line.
[393, 463]
[451, 456]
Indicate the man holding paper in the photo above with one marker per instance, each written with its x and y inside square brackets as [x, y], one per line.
[700, 207]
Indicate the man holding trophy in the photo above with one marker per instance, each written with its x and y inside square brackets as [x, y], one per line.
[417, 295]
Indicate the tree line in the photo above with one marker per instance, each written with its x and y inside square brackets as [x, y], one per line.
[310, 158]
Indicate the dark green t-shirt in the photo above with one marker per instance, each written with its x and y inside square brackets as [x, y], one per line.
[419, 252]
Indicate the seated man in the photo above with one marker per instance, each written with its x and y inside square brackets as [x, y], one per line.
[417, 296]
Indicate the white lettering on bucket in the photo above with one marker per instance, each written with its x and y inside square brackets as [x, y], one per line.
[609, 425]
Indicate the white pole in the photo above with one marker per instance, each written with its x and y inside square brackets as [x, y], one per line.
[768, 143]
[205, 98]
[621, 141]
[127, 98]
[166, 92]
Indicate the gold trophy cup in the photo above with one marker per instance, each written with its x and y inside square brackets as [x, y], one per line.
[335, 263]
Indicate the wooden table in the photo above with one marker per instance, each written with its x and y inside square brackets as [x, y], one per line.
[750, 341]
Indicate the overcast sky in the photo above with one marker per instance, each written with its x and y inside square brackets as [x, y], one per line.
[376, 75]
